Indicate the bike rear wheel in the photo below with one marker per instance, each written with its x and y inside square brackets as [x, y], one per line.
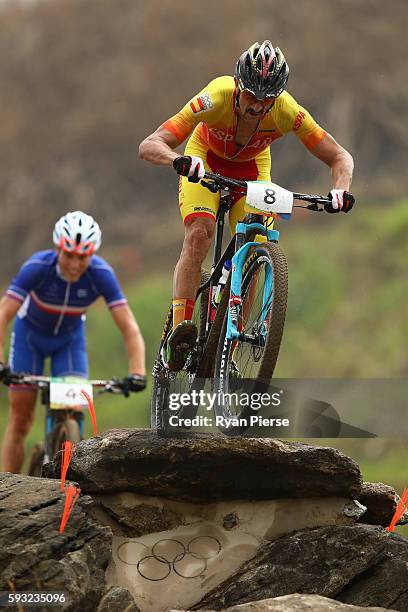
[180, 382]
[264, 293]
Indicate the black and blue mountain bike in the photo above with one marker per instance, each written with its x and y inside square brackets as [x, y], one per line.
[240, 332]
[64, 411]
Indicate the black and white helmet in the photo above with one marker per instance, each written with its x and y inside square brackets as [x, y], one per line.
[77, 232]
[262, 70]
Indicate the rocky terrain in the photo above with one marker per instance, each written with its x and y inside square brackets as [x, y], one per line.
[204, 523]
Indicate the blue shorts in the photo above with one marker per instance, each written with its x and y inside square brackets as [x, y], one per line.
[29, 348]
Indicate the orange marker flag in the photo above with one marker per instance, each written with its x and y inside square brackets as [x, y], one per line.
[72, 493]
[401, 508]
[67, 451]
[91, 408]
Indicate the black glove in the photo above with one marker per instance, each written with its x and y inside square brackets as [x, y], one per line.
[190, 166]
[133, 383]
[4, 373]
[345, 205]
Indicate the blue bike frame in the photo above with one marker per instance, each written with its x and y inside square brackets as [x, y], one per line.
[238, 261]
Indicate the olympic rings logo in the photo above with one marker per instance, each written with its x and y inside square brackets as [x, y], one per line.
[186, 560]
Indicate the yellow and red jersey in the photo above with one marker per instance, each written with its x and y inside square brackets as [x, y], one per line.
[211, 116]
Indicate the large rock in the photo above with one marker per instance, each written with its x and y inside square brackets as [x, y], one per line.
[34, 555]
[297, 603]
[209, 467]
[381, 502]
[188, 549]
[360, 565]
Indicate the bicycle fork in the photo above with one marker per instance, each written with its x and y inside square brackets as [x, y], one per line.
[234, 325]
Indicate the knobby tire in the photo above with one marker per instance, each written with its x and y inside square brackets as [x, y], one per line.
[265, 252]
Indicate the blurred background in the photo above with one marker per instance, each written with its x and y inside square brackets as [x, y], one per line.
[84, 81]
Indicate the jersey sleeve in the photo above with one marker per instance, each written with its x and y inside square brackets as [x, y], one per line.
[205, 106]
[107, 284]
[306, 129]
[297, 119]
[28, 278]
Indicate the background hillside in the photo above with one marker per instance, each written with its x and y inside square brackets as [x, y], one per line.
[84, 81]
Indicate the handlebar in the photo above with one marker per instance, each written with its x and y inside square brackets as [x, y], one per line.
[217, 182]
[42, 382]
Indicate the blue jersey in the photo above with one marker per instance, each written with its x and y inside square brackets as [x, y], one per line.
[51, 304]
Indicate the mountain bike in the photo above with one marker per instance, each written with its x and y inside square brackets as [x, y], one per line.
[64, 411]
[240, 336]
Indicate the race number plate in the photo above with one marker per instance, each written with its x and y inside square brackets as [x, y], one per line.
[268, 198]
[66, 393]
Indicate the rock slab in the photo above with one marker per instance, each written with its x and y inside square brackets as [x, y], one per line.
[209, 467]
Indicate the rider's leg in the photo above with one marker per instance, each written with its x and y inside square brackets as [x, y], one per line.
[198, 208]
[197, 241]
[24, 356]
[22, 407]
[199, 232]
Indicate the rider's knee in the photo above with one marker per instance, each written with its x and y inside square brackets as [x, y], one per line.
[20, 426]
[199, 235]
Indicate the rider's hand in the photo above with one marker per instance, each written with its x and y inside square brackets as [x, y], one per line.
[134, 383]
[4, 372]
[190, 166]
[340, 200]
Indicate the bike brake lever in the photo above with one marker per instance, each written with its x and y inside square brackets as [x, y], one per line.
[118, 386]
[13, 379]
[211, 186]
[315, 207]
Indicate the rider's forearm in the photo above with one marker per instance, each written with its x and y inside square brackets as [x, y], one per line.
[135, 349]
[342, 171]
[8, 310]
[3, 331]
[4, 321]
[157, 152]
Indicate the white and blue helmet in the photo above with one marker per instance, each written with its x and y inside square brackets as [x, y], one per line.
[77, 232]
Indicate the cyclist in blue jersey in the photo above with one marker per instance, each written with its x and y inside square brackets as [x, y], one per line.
[48, 299]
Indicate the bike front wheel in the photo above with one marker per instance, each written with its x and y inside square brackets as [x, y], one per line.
[252, 357]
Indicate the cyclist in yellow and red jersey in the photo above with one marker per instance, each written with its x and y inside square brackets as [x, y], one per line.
[231, 123]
